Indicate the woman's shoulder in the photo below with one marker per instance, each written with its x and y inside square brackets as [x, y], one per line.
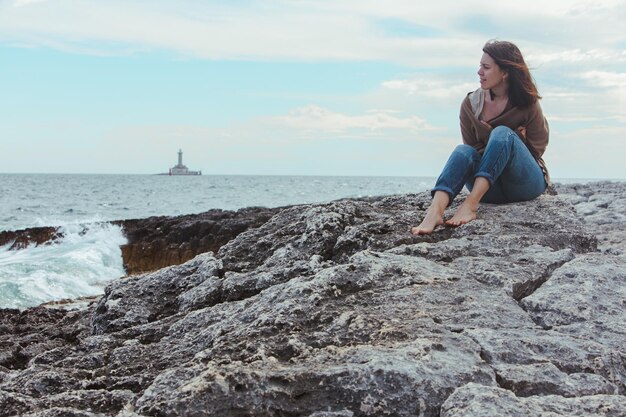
[533, 108]
[474, 102]
[473, 96]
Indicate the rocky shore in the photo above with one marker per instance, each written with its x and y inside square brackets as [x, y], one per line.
[157, 242]
[160, 241]
[336, 310]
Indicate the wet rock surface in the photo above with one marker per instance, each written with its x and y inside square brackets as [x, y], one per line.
[20, 239]
[157, 242]
[336, 310]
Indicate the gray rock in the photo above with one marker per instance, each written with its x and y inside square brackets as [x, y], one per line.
[524, 358]
[101, 402]
[153, 298]
[475, 400]
[585, 298]
[337, 310]
[602, 206]
[14, 404]
[545, 378]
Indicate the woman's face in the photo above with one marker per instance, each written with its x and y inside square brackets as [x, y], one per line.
[491, 76]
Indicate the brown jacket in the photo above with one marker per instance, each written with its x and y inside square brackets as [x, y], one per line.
[476, 134]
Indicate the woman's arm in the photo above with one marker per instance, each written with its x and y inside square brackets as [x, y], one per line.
[468, 132]
[537, 131]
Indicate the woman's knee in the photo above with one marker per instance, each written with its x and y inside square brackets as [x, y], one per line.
[502, 137]
[466, 150]
[502, 133]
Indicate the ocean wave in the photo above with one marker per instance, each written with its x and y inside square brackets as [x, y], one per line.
[77, 265]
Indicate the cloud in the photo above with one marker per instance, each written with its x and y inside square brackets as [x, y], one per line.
[573, 118]
[268, 147]
[577, 56]
[571, 154]
[431, 86]
[613, 85]
[605, 79]
[313, 119]
[437, 35]
[21, 3]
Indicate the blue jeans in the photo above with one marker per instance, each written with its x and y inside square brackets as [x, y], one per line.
[512, 172]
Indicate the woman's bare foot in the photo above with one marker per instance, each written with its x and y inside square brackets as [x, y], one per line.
[434, 218]
[464, 214]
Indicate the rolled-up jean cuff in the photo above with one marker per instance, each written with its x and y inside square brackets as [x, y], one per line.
[485, 175]
[444, 189]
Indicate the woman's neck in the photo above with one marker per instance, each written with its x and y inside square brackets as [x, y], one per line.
[499, 93]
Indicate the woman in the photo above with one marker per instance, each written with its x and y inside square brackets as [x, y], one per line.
[504, 136]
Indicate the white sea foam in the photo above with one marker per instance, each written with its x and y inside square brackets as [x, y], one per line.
[80, 264]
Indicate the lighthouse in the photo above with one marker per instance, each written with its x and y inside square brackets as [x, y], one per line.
[181, 169]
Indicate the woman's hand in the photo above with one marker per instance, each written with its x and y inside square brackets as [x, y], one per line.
[487, 125]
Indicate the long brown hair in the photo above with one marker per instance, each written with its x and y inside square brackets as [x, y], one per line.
[522, 89]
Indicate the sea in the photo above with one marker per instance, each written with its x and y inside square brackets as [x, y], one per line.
[82, 206]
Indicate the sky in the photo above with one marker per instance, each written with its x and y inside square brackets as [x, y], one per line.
[308, 87]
